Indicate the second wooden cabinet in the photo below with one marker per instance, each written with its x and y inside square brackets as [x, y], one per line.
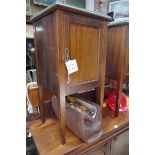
[117, 63]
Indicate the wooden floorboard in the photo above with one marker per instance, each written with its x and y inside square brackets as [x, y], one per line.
[47, 139]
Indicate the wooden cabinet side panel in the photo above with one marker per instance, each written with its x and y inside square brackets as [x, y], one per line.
[120, 144]
[47, 52]
[127, 51]
[115, 51]
[40, 59]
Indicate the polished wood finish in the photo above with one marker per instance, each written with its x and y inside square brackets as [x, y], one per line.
[117, 64]
[46, 136]
[118, 145]
[88, 43]
[117, 50]
[68, 8]
[46, 55]
[61, 72]
[44, 96]
[34, 97]
[103, 149]
[85, 37]
[42, 105]
[118, 142]
[33, 93]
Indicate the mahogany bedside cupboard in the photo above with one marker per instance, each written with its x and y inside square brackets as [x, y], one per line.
[65, 33]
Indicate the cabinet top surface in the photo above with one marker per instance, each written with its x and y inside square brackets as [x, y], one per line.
[58, 5]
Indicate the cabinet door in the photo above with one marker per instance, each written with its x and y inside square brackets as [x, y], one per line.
[83, 38]
[104, 149]
[120, 144]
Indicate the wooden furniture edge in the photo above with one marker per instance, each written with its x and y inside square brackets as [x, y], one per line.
[112, 24]
[68, 8]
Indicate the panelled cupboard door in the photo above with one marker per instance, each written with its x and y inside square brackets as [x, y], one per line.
[83, 38]
[120, 144]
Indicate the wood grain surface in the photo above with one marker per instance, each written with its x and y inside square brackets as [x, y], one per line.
[46, 136]
[117, 64]
[84, 48]
[85, 36]
[117, 51]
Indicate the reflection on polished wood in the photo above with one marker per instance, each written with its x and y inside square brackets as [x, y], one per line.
[46, 136]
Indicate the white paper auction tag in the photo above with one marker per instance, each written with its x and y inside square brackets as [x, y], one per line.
[71, 66]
